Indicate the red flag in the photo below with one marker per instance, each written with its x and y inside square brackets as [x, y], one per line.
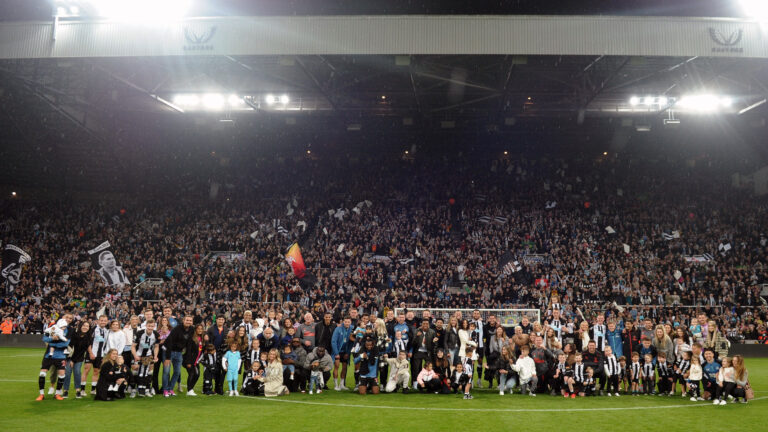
[296, 261]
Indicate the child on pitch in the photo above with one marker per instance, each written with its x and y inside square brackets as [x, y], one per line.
[612, 371]
[253, 382]
[681, 368]
[231, 363]
[635, 373]
[665, 374]
[589, 383]
[428, 380]
[211, 366]
[289, 354]
[726, 382]
[693, 378]
[576, 381]
[624, 374]
[649, 375]
[399, 372]
[526, 370]
[558, 380]
[460, 380]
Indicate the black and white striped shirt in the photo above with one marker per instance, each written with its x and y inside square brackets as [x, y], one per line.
[635, 370]
[612, 367]
[663, 369]
[598, 331]
[578, 372]
[648, 371]
[99, 343]
[557, 326]
[145, 342]
[682, 366]
[253, 357]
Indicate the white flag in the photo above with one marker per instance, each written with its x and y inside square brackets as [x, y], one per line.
[254, 234]
[610, 230]
[626, 248]
[340, 249]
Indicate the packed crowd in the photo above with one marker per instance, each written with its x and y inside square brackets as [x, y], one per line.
[275, 355]
[626, 237]
[420, 233]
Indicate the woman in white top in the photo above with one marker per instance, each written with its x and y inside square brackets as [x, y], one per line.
[464, 339]
[116, 337]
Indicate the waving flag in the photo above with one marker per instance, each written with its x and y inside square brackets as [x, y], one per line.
[296, 261]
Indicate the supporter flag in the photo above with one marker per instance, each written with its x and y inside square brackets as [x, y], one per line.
[610, 230]
[626, 248]
[667, 237]
[484, 219]
[508, 265]
[296, 261]
[13, 260]
[105, 264]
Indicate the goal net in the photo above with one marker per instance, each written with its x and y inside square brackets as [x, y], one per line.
[507, 317]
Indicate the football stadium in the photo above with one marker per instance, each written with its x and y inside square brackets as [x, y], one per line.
[432, 215]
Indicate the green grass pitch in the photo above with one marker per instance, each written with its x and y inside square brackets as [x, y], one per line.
[342, 411]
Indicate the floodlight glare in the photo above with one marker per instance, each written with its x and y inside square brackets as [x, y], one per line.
[634, 100]
[186, 100]
[142, 9]
[704, 103]
[234, 100]
[755, 8]
[663, 101]
[270, 99]
[213, 101]
[726, 102]
[284, 99]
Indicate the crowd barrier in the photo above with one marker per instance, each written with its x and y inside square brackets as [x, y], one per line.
[36, 341]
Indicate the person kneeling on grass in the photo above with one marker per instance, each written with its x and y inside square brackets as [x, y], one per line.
[111, 384]
[400, 373]
[428, 379]
[253, 382]
[368, 360]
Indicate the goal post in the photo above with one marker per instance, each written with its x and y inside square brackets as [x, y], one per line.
[507, 317]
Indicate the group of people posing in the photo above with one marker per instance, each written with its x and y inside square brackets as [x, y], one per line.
[272, 356]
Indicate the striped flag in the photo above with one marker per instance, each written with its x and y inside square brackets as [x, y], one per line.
[500, 220]
[667, 237]
[484, 219]
[282, 230]
[296, 261]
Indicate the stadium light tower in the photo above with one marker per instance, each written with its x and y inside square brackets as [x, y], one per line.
[757, 9]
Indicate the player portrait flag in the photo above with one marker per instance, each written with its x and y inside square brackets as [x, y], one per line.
[296, 261]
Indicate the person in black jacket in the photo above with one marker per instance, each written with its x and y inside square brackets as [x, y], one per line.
[594, 359]
[451, 341]
[176, 343]
[79, 342]
[192, 355]
[110, 377]
[423, 345]
[324, 332]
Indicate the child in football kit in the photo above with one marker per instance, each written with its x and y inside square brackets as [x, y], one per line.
[231, 363]
[589, 383]
[635, 373]
[665, 375]
[461, 380]
[624, 374]
[649, 375]
[253, 383]
[612, 371]
[557, 381]
[211, 365]
[576, 381]
[681, 368]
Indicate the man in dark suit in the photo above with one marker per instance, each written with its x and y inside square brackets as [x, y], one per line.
[423, 344]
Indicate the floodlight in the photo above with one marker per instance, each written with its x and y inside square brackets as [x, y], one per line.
[704, 103]
[235, 100]
[270, 99]
[142, 9]
[757, 9]
[663, 101]
[186, 100]
[634, 100]
[284, 99]
[213, 101]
